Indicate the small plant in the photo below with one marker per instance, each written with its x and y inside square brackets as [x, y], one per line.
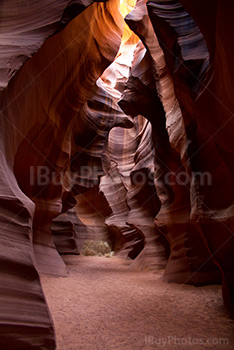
[96, 248]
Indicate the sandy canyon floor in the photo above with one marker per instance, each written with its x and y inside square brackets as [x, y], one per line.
[105, 305]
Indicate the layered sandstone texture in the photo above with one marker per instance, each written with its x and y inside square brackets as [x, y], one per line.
[113, 130]
[198, 56]
[38, 107]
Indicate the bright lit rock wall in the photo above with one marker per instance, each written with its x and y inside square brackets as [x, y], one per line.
[126, 141]
[37, 110]
[197, 215]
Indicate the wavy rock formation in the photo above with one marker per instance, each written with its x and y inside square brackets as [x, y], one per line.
[24, 29]
[65, 228]
[150, 91]
[92, 210]
[99, 115]
[130, 179]
[115, 184]
[204, 88]
[37, 109]
[125, 158]
[108, 137]
[143, 202]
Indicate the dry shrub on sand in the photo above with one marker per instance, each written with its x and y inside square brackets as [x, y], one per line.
[96, 248]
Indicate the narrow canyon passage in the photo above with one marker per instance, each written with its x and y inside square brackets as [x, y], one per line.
[105, 305]
[116, 139]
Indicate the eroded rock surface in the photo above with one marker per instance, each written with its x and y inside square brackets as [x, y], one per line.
[202, 77]
[114, 136]
[150, 91]
[37, 108]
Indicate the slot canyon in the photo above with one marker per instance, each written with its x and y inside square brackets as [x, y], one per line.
[116, 174]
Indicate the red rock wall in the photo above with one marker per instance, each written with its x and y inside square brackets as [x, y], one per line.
[25, 25]
[202, 79]
[196, 214]
[37, 109]
[159, 114]
[150, 91]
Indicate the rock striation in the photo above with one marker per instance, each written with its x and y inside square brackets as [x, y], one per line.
[150, 91]
[37, 109]
[184, 76]
[113, 131]
[203, 87]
